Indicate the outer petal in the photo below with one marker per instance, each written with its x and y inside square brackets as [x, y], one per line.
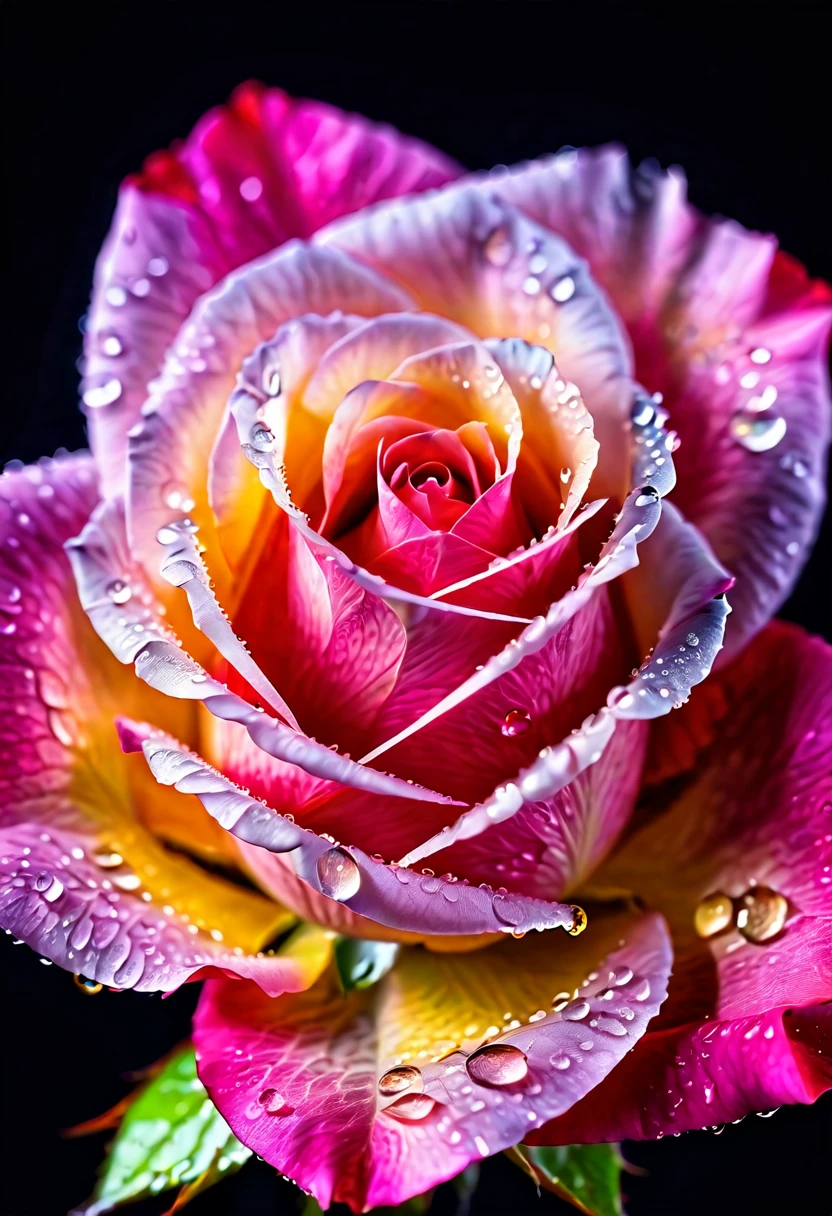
[308, 1098]
[480, 262]
[251, 176]
[757, 815]
[80, 869]
[734, 336]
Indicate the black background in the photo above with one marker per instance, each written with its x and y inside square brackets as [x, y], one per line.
[737, 94]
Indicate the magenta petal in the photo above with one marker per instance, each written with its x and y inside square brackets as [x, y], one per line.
[252, 175]
[55, 897]
[754, 816]
[389, 895]
[735, 337]
[308, 1098]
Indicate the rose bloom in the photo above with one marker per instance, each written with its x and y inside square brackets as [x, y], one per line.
[393, 581]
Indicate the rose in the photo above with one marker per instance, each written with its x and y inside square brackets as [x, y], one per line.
[457, 548]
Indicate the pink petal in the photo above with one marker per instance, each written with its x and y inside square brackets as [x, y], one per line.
[252, 175]
[72, 821]
[718, 321]
[756, 815]
[170, 449]
[390, 896]
[480, 262]
[308, 1101]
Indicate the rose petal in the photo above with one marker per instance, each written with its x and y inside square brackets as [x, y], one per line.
[718, 321]
[135, 634]
[170, 449]
[63, 775]
[391, 896]
[482, 263]
[324, 1055]
[252, 175]
[757, 815]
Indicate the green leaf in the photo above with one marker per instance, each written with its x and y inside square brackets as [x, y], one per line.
[362, 963]
[586, 1175]
[172, 1135]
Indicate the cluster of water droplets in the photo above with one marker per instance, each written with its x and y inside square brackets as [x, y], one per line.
[759, 914]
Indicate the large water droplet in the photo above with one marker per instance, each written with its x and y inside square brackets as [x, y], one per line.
[713, 914]
[498, 248]
[397, 1080]
[274, 1103]
[563, 289]
[497, 1064]
[338, 874]
[119, 591]
[757, 433]
[575, 1011]
[411, 1107]
[647, 495]
[89, 987]
[103, 394]
[516, 722]
[762, 914]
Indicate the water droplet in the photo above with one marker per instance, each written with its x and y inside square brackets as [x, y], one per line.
[692, 639]
[90, 987]
[274, 1103]
[642, 992]
[338, 874]
[397, 1080]
[115, 296]
[497, 1064]
[643, 411]
[647, 495]
[560, 1062]
[611, 1025]
[762, 914]
[119, 591]
[251, 188]
[111, 345]
[498, 249]
[531, 286]
[411, 1107]
[516, 722]
[262, 439]
[271, 383]
[102, 394]
[760, 355]
[565, 474]
[713, 914]
[158, 266]
[579, 921]
[575, 1011]
[756, 433]
[563, 289]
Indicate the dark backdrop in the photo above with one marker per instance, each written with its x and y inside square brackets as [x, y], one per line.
[733, 93]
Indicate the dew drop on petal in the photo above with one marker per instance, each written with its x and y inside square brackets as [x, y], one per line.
[498, 248]
[713, 914]
[89, 987]
[757, 433]
[397, 1080]
[411, 1107]
[497, 1064]
[762, 914]
[560, 1062]
[338, 874]
[516, 722]
[274, 1103]
[119, 591]
[575, 1011]
[579, 921]
[563, 289]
